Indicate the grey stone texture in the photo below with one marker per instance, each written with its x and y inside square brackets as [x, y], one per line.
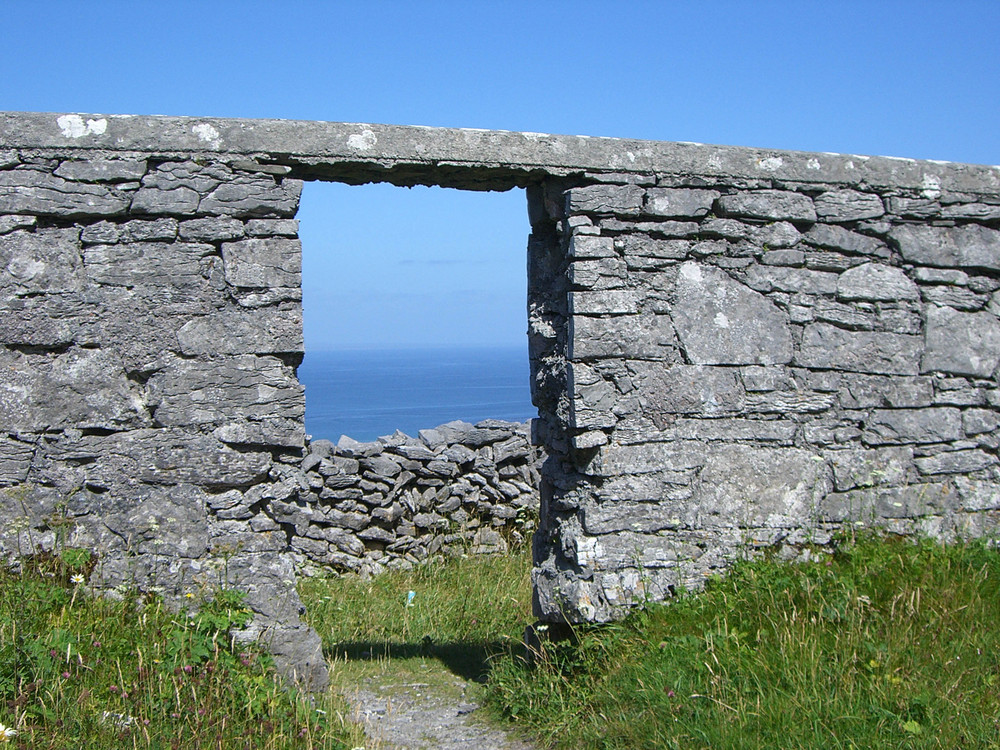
[731, 350]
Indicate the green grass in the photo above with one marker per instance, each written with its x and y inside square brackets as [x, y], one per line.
[463, 611]
[78, 671]
[887, 644]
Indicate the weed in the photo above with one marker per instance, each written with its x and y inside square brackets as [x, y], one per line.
[84, 671]
[886, 643]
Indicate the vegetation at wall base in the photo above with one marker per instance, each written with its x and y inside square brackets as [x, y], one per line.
[461, 611]
[85, 671]
[885, 643]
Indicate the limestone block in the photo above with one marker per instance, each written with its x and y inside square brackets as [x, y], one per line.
[896, 426]
[272, 227]
[270, 262]
[264, 331]
[641, 250]
[212, 229]
[869, 506]
[838, 238]
[594, 399]
[675, 203]
[751, 487]
[858, 467]
[599, 274]
[794, 280]
[847, 205]
[773, 205]
[783, 258]
[15, 460]
[656, 229]
[102, 170]
[629, 336]
[978, 421]
[969, 246]
[587, 246]
[916, 208]
[827, 347]
[615, 302]
[81, 388]
[687, 389]
[777, 235]
[253, 196]
[954, 297]
[615, 460]
[137, 230]
[625, 515]
[45, 261]
[631, 550]
[179, 200]
[974, 211]
[163, 521]
[797, 401]
[10, 224]
[48, 320]
[977, 495]
[879, 391]
[30, 191]
[254, 398]
[961, 343]
[955, 462]
[176, 265]
[727, 229]
[161, 457]
[876, 281]
[720, 321]
[622, 200]
[381, 465]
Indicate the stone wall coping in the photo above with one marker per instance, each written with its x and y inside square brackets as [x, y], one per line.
[468, 158]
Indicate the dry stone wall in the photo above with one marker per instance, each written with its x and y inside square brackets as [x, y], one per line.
[742, 364]
[399, 501]
[732, 350]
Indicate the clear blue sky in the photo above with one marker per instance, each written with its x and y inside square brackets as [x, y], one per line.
[390, 266]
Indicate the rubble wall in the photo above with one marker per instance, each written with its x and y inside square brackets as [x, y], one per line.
[398, 501]
[732, 350]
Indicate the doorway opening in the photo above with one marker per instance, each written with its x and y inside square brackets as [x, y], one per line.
[414, 308]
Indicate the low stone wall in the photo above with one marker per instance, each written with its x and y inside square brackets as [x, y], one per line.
[397, 501]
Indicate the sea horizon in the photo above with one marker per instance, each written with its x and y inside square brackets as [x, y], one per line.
[368, 392]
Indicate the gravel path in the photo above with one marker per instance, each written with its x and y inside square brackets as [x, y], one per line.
[418, 716]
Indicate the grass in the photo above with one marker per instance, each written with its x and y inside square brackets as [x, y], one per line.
[885, 643]
[462, 612]
[78, 670]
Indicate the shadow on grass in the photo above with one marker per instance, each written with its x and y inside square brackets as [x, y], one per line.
[469, 660]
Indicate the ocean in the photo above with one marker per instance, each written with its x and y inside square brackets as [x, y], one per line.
[368, 393]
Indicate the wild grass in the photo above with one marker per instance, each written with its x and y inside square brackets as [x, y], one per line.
[85, 671]
[886, 643]
[459, 612]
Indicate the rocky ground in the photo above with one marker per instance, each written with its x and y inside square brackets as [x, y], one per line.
[433, 710]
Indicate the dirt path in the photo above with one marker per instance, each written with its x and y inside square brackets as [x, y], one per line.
[439, 713]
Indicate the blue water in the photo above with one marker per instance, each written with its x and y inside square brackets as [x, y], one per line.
[368, 393]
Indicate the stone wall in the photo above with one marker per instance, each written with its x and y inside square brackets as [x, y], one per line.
[736, 364]
[732, 350]
[399, 501]
[151, 325]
